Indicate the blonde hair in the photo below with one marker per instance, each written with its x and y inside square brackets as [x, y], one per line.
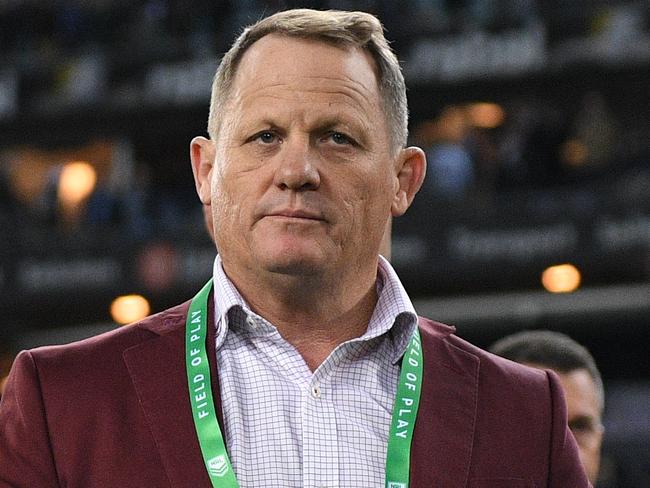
[343, 29]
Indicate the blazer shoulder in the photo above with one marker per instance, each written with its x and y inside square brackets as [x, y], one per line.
[102, 346]
[505, 389]
[490, 365]
[516, 410]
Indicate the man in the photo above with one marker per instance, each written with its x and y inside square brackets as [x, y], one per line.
[581, 382]
[311, 373]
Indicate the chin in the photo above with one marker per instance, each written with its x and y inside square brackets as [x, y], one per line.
[290, 254]
[294, 267]
[293, 262]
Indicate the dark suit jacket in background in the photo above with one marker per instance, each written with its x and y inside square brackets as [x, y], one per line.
[113, 412]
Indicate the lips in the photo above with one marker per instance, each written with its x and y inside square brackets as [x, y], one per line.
[307, 209]
[296, 214]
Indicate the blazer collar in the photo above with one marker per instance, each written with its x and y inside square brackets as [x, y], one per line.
[157, 370]
[443, 437]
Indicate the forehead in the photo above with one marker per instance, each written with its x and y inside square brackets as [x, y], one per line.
[282, 66]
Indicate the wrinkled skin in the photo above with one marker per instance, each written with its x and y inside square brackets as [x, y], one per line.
[302, 178]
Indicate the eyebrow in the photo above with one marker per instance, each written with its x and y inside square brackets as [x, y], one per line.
[356, 129]
[333, 123]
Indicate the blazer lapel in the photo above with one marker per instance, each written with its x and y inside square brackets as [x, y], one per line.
[444, 432]
[157, 369]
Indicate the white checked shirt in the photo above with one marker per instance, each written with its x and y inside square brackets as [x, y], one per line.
[288, 427]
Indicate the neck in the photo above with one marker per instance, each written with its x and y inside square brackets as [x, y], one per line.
[314, 315]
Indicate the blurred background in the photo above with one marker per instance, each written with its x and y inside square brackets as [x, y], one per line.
[535, 213]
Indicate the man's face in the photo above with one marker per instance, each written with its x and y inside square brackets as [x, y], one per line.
[303, 179]
[584, 417]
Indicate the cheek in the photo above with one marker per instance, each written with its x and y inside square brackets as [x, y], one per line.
[225, 207]
[235, 199]
[368, 205]
[376, 193]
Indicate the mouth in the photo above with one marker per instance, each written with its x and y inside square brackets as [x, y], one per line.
[296, 215]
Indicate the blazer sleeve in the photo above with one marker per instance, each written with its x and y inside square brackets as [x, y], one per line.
[565, 466]
[26, 459]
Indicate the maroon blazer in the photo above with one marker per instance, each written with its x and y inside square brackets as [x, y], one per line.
[113, 411]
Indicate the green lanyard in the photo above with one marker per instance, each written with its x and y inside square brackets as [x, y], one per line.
[211, 440]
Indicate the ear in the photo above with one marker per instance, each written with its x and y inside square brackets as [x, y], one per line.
[202, 153]
[411, 168]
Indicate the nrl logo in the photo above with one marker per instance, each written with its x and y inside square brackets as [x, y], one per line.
[218, 466]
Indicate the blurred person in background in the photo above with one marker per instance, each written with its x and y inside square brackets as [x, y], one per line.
[302, 362]
[450, 164]
[580, 378]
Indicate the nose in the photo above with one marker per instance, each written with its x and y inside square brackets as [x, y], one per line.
[297, 168]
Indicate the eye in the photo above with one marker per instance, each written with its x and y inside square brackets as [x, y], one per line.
[581, 425]
[266, 137]
[340, 138]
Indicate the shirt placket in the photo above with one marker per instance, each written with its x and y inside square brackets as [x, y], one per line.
[320, 434]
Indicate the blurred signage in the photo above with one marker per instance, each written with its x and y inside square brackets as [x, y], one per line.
[477, 55]
[618, 37]
[48, 275]
[613, 234]
[438, 251]
[615, 35]
[8, 93]
[180, 83]
[517, 244]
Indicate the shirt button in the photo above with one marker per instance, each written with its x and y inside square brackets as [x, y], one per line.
[251, 321]
[315, 391]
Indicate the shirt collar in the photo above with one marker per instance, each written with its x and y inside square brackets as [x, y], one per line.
[393, 313]
[227, 302]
